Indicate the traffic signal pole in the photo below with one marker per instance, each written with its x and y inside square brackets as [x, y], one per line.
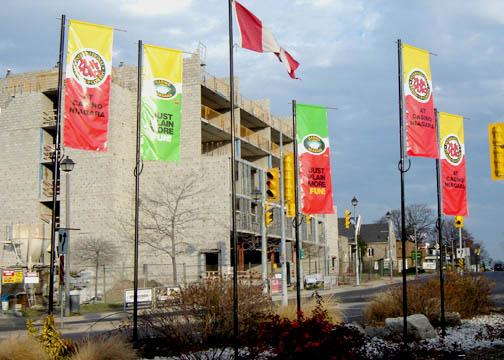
[264, 239]
[283, 246]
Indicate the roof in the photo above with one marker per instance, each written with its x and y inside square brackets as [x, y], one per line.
[374, 233]
[369, 233]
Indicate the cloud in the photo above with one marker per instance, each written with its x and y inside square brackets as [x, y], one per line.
[153, 7]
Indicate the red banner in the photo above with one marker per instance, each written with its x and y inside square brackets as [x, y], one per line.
[453, 164]
[316, 189]
[312, 136]
[87, 86]
[421, 131]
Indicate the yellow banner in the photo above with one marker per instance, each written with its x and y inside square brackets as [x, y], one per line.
[84, 35]
[415, 58]
[163, 63]
[451, 125]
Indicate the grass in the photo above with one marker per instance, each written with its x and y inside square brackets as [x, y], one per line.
[329, 303]
[99, 307]
[21, 348]
[105, 348]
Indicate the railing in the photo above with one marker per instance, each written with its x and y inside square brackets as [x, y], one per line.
[47, 152]
[275, 149]
[47, 188]
[49, 118]
[247, 222]
[216, 118]
[282, 124]
[254, 138]
[217, 85]
[47, 218]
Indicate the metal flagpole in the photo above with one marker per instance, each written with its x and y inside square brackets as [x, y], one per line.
[56, 161]
[137, 172]
[403, 212]
[441, 253]
[439, 225]
[233, 185]
[296, 212]
[283, 246]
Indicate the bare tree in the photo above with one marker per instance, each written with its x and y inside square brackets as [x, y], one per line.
[170, 216]
[96, 251]
[419, 218]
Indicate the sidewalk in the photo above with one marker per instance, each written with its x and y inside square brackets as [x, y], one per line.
[73, 326]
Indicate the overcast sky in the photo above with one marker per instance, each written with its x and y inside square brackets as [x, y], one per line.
[348, 55]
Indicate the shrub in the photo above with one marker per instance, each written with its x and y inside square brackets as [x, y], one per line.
[50, 339]
[330, 304]
[467, 294]
[105, 348]
[22, 348]
[314, 336]
[201, 316]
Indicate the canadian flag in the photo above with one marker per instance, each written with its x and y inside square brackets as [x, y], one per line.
[256, 37]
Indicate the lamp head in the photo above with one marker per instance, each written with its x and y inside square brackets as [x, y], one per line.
[67, 164]
[354, 201]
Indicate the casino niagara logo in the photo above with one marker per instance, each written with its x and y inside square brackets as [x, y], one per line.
[164, 89]
[314, 144]
[89, 68]
[452, 149]
[419, 85]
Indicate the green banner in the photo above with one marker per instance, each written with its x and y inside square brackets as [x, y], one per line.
[161, 114]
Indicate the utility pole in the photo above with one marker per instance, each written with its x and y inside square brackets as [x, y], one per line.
[416, 252]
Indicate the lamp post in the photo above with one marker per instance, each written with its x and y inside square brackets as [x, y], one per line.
[388, 216]
[67, 166]
[355, 202]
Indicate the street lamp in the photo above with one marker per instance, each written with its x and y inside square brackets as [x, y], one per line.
[67, 166]
[388, 216]
[354, 203]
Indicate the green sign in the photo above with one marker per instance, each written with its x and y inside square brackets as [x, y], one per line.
[416, 255]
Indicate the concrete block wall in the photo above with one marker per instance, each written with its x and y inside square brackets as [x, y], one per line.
[20, 135]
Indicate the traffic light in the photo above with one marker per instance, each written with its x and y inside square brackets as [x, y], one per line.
[268, 215]
[459, 221]
[273, 184]
[308, 218]
[347, 219]
[289, 185]
[496, 150]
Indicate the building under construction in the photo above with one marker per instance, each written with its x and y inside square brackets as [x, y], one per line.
[102, 184]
